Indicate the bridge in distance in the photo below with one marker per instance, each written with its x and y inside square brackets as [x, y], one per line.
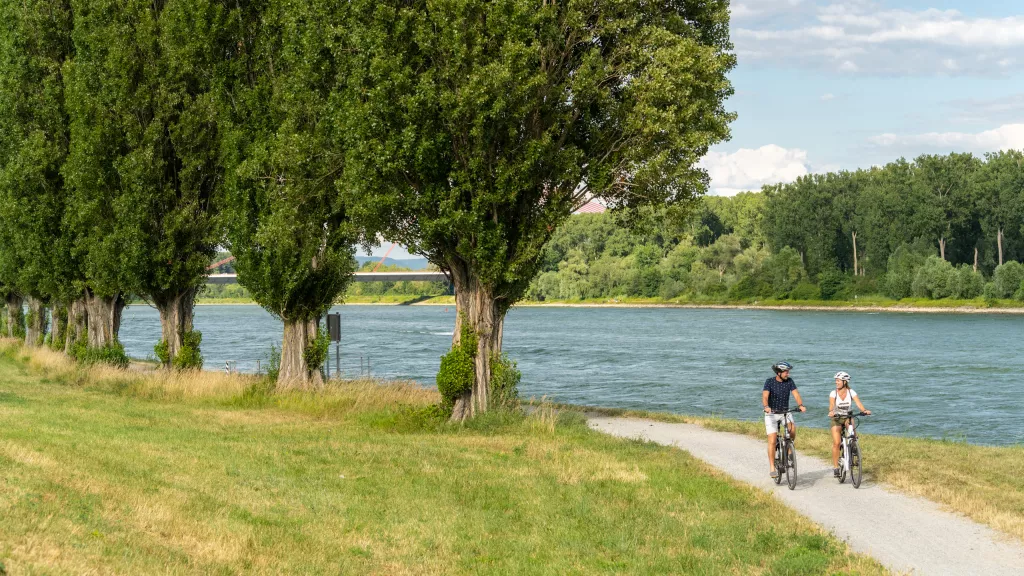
[359, 277]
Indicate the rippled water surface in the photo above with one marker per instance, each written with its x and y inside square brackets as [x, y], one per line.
[936, 375]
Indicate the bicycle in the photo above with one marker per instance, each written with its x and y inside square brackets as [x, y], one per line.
[851, 466]
[785, 453]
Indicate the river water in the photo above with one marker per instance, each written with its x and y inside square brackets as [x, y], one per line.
[933, 375]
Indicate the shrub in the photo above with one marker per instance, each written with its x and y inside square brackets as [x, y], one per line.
[751, 286]
[455, 376]
[785, 271]
[273, 364]
[833, 283]
[457, 373]
[505, 378]
[934, 279]
[805, 291]
[672, 289]
[113, 354]
[189, 356]
[163, 352]
[902, 268]
[646, 282]
[316, 351]
[1019, 295]
[965, 283]
[1007, 279]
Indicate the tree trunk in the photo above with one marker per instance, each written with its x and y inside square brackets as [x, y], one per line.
[35, 328]
[78, 322]
[975, 259]
[475, 305]
[175, 319]
[856, 268]
[999, 242]
[15, 315]
[298, 334]
[103, 318]
[58, 324]
[942, 248]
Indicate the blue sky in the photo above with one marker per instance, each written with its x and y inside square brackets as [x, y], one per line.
[822, 85]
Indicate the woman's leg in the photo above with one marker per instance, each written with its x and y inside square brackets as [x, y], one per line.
[836, 440]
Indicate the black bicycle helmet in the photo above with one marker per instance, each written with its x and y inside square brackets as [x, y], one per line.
[781, 367]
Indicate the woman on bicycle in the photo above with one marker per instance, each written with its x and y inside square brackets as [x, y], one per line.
[840, 401]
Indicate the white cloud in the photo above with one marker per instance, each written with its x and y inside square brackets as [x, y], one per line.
[761, 8]
[827, 97]
[1001, 138]
[857, 36]
[1004, 109]
[749, 169]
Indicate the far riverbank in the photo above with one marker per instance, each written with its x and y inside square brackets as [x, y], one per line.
[1011, 307]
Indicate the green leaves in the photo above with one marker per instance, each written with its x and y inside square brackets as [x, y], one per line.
[479, 126]
[289, 224]
[34, 43]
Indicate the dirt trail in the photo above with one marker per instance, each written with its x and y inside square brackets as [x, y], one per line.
[905, 533]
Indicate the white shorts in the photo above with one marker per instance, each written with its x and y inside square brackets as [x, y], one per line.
[771, 422]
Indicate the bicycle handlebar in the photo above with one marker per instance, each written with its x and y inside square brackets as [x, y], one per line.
[790, 411]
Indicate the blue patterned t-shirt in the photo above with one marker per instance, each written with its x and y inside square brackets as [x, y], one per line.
[778, 393]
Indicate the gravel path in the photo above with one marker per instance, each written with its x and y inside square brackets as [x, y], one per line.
[905, 533]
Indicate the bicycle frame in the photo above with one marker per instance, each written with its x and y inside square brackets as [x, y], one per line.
[783, 445]
[849, 434]
[849, 431]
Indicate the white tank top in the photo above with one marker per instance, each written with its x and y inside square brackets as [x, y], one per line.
[843, 404]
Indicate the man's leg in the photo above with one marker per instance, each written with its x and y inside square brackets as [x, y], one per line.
[792, 432]
[771, 449]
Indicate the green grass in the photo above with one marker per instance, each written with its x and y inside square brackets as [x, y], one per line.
[112, 472]
[985, 483]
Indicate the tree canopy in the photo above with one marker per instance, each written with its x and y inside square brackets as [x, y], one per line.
[289, 225]
[480, 126]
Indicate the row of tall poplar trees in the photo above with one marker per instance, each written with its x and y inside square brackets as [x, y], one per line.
[138, 136]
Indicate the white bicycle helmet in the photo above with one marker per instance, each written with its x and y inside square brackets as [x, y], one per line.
[842, 376]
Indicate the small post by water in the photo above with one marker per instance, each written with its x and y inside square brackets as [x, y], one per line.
[334, 332]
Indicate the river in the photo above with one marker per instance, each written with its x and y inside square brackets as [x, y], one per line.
[946, 376]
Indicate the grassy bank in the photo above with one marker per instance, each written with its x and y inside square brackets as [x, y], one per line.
[984, 483]
[104, 471]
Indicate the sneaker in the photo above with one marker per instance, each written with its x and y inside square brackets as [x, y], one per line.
[774, 474]
[835, 472]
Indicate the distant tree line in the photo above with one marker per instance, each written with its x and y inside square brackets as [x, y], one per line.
[138, 137]
[938, 227]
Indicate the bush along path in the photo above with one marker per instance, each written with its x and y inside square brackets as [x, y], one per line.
[904, 533]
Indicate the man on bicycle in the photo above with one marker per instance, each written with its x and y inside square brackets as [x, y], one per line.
[775, 399]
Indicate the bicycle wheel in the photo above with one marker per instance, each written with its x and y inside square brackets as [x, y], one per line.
[842, 463]
[790, 459]
[855, 468]
[779, 464]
